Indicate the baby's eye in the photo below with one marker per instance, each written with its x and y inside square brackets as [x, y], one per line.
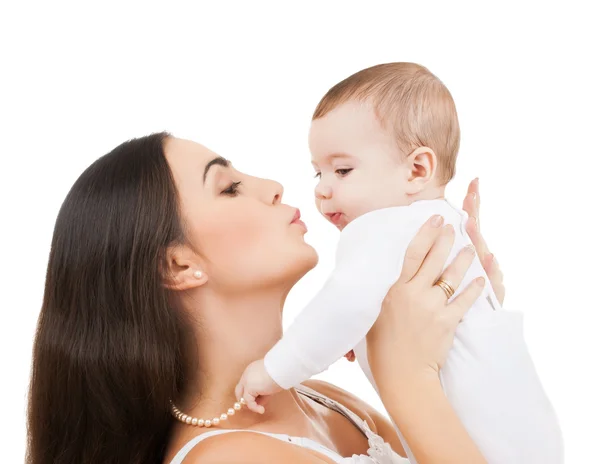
[343, 172]
[317, 175]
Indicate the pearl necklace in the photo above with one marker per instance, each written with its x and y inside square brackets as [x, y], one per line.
[189, 420]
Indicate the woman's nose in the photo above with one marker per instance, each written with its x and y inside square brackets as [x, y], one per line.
[277, 192]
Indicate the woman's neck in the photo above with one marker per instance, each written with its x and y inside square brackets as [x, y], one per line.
[230, 333]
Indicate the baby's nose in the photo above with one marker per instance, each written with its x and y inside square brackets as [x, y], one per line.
[322, 192]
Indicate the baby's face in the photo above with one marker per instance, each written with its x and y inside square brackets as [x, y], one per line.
[358, 164]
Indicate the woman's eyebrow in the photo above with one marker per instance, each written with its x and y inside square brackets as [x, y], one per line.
[220, 161]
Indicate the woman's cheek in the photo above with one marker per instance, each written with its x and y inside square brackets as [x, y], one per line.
[223, 237]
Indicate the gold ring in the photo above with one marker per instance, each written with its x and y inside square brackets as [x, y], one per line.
[448, 290]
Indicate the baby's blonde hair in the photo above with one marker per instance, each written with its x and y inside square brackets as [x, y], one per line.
[410, 99]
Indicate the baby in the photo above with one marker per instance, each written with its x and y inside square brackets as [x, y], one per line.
[384, 144]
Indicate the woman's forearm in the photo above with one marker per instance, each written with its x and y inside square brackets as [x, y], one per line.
[427, 421]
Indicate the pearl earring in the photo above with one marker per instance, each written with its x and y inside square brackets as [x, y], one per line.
[198, 274]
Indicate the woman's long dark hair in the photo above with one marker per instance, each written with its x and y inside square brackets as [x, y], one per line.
[108, 348]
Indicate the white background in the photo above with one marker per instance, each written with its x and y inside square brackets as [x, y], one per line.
[244, 77]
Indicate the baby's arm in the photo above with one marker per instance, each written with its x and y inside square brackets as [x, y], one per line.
[336, 319]
[341, 314]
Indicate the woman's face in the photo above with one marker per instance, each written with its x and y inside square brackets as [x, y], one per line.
[246, 238]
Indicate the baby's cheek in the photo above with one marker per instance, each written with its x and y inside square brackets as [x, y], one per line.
[357, 204]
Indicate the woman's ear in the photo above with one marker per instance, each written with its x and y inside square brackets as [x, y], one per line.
[422, 164]
[182, 270]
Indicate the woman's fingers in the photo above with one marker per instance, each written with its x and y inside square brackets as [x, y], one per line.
[435, 260]
[477, 239]
[455, 272]
[419, 247]
[461, 304]
[471, 206]
[471, 203]
[492, 269]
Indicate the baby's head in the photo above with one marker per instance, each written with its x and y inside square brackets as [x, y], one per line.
[385, 136]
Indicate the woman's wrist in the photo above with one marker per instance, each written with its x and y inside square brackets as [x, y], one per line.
[433, 431]
[400, 388]
[400, 384]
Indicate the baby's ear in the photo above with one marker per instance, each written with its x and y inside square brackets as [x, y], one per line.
[422, 163]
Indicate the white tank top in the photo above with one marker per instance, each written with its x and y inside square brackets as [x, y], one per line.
[379, 452]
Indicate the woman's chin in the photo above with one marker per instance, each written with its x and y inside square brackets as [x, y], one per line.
[312, 258]
[304, 262]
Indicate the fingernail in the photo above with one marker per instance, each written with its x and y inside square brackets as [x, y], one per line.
[480, 281]
[436, 221]
[477, 181]
[470, 249]
[474, 195]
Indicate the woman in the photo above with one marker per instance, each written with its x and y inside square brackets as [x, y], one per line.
[167, 275]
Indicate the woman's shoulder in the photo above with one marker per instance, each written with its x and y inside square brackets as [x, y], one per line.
[250, 448]
[377, 422]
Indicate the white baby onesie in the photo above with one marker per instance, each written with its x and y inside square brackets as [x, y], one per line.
[488, 377]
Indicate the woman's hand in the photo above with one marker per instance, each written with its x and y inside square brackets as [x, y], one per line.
[471, 206]
[416, 326]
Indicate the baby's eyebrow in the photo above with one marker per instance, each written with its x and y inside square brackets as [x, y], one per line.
[333, 156]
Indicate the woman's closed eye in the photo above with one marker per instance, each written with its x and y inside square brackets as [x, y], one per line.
[232, 190]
